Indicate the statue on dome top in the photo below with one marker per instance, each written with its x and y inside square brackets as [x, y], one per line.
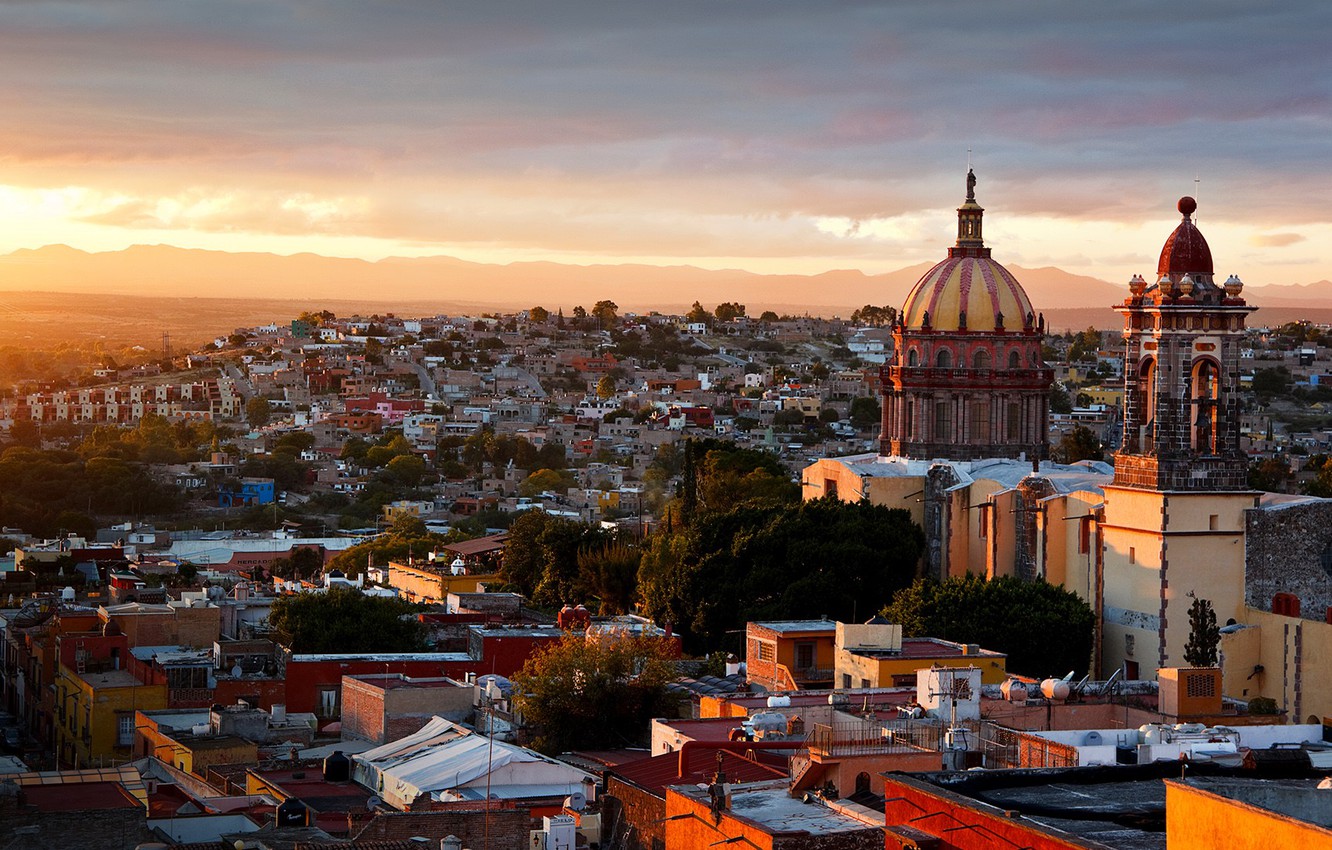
[971, 185]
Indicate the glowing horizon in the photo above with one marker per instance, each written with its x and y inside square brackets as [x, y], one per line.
[771, 138]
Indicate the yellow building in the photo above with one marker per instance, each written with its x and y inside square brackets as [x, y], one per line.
[95, 715]
[875, 655]
[433, 582]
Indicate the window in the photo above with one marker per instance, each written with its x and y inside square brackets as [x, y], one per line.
[830, 487]
[1014, 360]
[1084, 535]
[1211, 522]
[943, 359]
[982, 527]
[1014, 421]
[913, 359]
[864, 683]
[846, 681]
[980, 421]
[1133, 555]
[1129, 643]
[943, 426]
[766, 651]
[328, 703]
[1286, 604]
[980, 360]
[804, 656]
[124, 730]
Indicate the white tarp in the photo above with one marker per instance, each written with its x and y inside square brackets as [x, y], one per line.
[443, 759]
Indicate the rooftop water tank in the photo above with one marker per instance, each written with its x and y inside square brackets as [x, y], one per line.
[1014, 691]
[293, 812]
[337, 767]
[1055, 689]
[779, 702]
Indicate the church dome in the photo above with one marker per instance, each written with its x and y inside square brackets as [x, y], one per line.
[967, 291]
[1186, 251]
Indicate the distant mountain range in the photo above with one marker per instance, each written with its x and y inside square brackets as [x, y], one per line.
[166, 271]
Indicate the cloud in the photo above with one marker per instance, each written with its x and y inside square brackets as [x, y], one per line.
[682, 129]
[1275, 240]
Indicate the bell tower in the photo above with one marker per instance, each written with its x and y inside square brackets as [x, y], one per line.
[1173, 519]
[1182, 338]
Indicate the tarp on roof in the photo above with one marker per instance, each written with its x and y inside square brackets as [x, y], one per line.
[443, 759]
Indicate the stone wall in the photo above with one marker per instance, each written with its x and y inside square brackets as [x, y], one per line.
[1283, 553]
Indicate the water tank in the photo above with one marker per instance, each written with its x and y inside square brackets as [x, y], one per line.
[1152, 733]
[779, 702]
[337, 767]
[450, 842]
[768, 721]
[278, 713]
[200, 729]
[732, 665]
[1092, 739]
[67, 595]
[838, 698]
[1055, 689]
[293, 812]
[1014, 691]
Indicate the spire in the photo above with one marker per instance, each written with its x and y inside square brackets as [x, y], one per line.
[969, 241]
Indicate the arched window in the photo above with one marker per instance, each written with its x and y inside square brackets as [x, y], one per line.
[1146, 392]
[862, 783]
[913, 358]
[1014, 359]
[981, 359]
[1203, 411]
[943, 359]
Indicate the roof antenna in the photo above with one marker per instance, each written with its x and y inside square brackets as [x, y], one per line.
[1196, 181]
[968, 158]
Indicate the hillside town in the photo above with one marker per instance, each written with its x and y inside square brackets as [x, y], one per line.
[936, 575]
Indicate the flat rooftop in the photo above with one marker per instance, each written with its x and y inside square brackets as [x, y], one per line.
[770, 806]
[791, 626]
[924, 647]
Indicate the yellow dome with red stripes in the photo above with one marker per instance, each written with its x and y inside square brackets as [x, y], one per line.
[967, 293]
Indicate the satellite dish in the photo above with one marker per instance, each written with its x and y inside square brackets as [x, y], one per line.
[236, 671]
[373, 803]
[576, 801]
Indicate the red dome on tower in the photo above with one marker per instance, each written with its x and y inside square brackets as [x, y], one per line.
[1186, 250]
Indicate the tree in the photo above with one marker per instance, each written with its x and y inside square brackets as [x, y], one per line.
[543, 480]
[1270, 474]
[258, 411]
[304, 562]
[407, 470]
[538, 314]
[771, 560]
[1079, 444]
[345, 620]
[865, 412]
[698, 314]
[728, 311]
[591, 693]
[768, 316]
[1059, 399]
[1204, 635]
[605, 314]
[1006, 614]
[605, 387]
[1273, 381]
[610, 574]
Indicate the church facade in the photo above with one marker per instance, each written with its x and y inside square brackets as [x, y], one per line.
[1173, 519]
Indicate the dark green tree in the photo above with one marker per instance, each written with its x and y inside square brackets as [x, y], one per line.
[258, 411]
[1204, 635]
[865, 412]
[776, 560]
[1079, 444]
[345, 620]
[1045, 630]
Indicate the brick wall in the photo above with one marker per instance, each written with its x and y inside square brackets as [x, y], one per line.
[632, 816]
[102, 829]
[362, 711]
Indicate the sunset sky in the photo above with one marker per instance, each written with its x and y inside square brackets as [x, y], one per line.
[771, 136]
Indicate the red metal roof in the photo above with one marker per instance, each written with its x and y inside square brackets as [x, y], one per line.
[1186, 251]
[81, 797]
[656, 773]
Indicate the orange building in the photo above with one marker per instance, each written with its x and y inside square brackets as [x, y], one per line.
[764, 816]
[1246, 814]
[788, 655]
